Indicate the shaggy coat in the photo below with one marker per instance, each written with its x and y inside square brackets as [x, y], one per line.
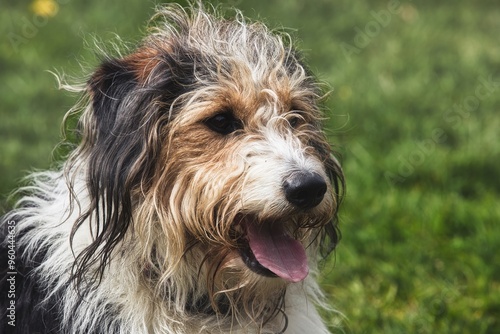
[199, 199]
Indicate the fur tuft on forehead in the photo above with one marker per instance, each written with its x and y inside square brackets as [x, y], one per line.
[221, 54]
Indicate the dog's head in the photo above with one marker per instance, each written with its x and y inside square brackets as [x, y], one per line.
[206, 159]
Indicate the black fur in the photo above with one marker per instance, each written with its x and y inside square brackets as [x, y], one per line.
[20, 291]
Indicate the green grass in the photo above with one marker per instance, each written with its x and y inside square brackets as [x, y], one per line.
[421, 219]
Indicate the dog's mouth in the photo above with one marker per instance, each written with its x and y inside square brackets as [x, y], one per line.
[268, 249]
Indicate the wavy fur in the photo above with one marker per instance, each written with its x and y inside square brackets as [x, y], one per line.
[183, 141]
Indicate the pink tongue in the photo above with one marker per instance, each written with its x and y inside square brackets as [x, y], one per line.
[278, 251]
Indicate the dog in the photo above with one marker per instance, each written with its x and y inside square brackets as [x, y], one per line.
[200, 198]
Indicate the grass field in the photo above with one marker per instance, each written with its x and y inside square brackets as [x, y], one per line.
[415, 114]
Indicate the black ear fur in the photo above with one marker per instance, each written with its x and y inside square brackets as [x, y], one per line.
[114, 147]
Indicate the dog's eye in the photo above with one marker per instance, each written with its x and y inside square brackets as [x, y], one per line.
[224, 123]
[295, 120]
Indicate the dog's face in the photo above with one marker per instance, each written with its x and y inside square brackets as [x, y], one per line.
[247, 171]
[207, 141]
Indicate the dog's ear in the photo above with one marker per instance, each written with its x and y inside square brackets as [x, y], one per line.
[116, 128]
[117, 151]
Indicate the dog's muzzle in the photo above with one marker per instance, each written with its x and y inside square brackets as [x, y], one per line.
[268, 248]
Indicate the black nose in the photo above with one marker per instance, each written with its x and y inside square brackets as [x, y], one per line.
[304, 190]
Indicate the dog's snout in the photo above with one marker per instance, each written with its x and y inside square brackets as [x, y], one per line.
[305, 190]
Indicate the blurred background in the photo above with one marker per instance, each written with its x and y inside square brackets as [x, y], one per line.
[414, 114]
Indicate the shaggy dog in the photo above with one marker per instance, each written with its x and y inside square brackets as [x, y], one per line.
[199, 199]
